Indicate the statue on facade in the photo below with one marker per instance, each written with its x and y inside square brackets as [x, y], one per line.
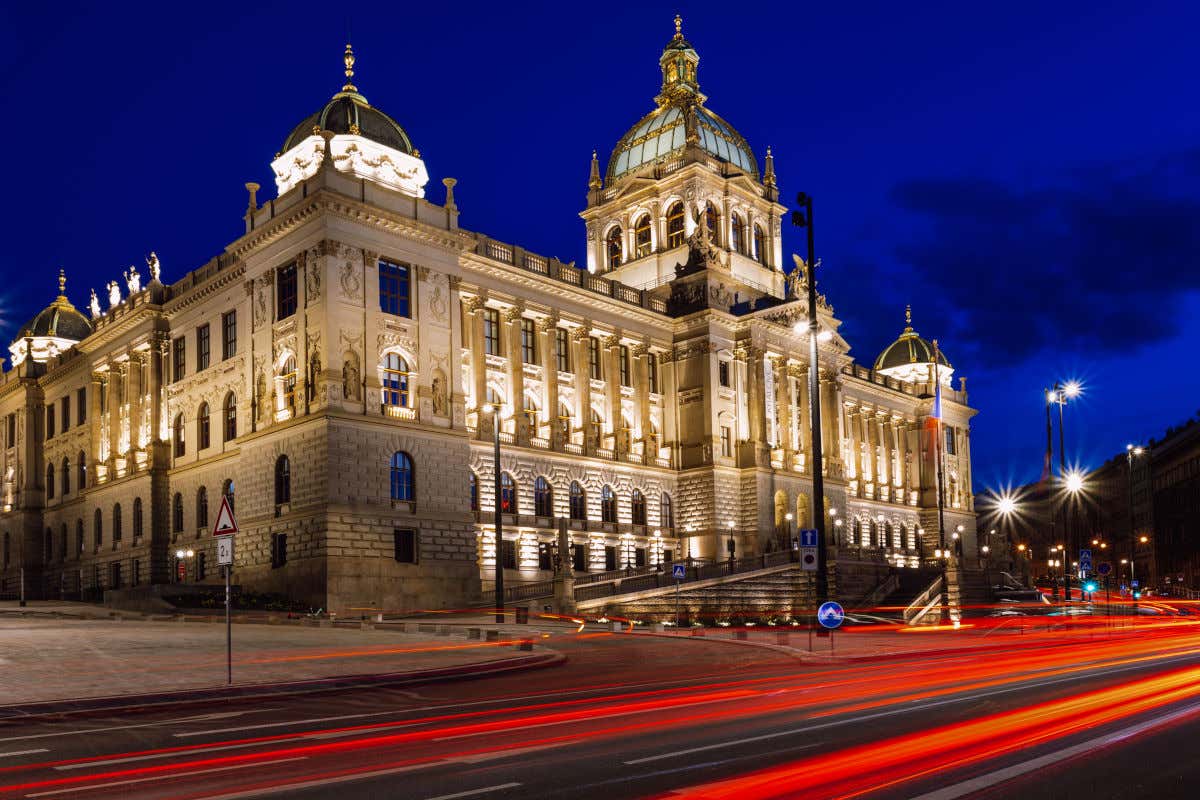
[439, 393]
[114, 294]
[155, 267]
[351, 379]
[94, 305]
[133, 281]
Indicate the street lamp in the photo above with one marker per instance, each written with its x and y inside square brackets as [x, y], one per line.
[180, 556]
[788, 517]
[494, 410]
[1061, 393]
[802, 217]
[731, 545]
[1132, 450]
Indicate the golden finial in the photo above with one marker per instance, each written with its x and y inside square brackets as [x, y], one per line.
[679, 26]
[908, 317]
[594, 178]
[348, 60]
[62, 281]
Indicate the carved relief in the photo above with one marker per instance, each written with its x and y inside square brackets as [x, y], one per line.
[260, 307]
[312, 280]
[350, 282]
[438, 297]
[351, 376]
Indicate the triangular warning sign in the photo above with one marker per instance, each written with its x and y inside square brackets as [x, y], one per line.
[225, 525]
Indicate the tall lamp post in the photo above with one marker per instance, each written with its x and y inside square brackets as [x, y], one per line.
[1060, 393]
[803, 218]
[1130, 452]
[494, 410]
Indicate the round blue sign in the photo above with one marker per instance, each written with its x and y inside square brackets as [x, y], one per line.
[1104, 568]
[830, 615]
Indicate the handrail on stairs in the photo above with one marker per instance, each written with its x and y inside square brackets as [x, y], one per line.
[886, 587]
[919, 607]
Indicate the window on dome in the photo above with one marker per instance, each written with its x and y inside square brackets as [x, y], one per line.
[675, 227]
[710, 221]
[641, 237]
[613, 248]
[760, 245]
[737, 237]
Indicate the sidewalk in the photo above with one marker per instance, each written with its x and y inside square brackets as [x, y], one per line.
[85, 655]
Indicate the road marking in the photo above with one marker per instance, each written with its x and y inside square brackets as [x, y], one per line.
[474, 792]
[23, 752]
[84, 731]
[169, 754]
[892, 712]
[1008, 773]
[165, 776]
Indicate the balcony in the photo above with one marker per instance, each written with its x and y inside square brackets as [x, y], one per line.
[400, 412]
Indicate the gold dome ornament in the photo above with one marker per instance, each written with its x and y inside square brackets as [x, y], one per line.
[348, 60]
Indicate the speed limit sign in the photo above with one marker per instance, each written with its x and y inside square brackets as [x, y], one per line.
[225, 551]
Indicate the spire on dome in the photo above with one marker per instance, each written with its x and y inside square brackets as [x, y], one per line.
[594, 181]
[769, 172]
[678, 63]
[908, 328]
[678, 27]
[62, 282]
[348, 60]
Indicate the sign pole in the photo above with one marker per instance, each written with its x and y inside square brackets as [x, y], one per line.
[223, 531]
[228, 630]
[677, 603]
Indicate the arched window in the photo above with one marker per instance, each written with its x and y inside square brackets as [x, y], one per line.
[642, 245]
[49, 481]
[230, 417]
[473, 489]
[65, 472]
[283, 481]
[904, 535]
[543, 498]
[78, 537]
[118, 525]
[889, 536]
[737, 236]
[395, 381]
[856, 532]
[712, 222]
[137, 518]
[608, 505]
[578, 501]
[202, 507]
[203, 437]
[637, 505]
[177, 513]
[97, 529]
[287, 384]
[402, 477]
[508, 494]
[675, 226]
[82, 471]
[612, 248]
[494, 397]
[227, 492]
[564, 419]
[873, 533]
[666, 512]
[177, 433]
[760, 245]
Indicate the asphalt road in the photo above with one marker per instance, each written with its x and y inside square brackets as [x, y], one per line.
[637, 716]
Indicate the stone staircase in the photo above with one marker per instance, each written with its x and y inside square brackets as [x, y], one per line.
[974, 593]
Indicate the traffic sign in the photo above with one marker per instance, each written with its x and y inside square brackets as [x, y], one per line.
[225, 524]
[1136, 583]
[225, 551]
[678, 571]
[830, 615]
[808, 559]
[1085, 560]
[1104, 568]
[808, 537]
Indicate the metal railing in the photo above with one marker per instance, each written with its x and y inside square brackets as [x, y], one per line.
[926, 600]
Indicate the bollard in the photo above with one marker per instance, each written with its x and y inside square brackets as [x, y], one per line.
[473, 633]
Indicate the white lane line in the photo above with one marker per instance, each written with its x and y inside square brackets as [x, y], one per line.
[657, 710]
[164, 776]
[169, 754]
[1008, 773]
[23, 752]
[474, 792]
[892, 712]
[85, 731]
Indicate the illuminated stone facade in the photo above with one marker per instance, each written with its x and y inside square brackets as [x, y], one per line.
[330, 370]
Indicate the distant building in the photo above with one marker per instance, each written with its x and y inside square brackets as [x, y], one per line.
[334, 370]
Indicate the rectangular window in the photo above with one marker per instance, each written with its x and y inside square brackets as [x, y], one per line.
[726, 441]
[623, 362]
[950, 440]
[491, 331]
[562, 349]
[81, 407]
[229, 334]
[404, 545]
[49, 421]
[723, 373]
[278, 550]
[202, 347]
[579, 558]
[395, 289]
[594, 358]
[528, 342]
[10, 438]
[66, 412]
[545, 562]
[610, 557]
[652, 371]
[639, 557]
[179, 359]
[285, 292]
[509, 554]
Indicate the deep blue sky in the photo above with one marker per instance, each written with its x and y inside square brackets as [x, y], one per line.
[1026, 175]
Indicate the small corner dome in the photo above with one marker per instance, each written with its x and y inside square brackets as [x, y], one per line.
[348, 113]
[910, 357]
[54, 329]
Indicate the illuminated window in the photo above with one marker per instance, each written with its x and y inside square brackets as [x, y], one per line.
[760, 245]
[473, 488]
[641, 237]
[229, 334]
[675, 226]
[737, 237]
[402, 483]
[508, 494]
[395, 381]
[395, 289]
[608, 505]
[578, 501]
[491, 331]
[594, 367]
[288, 383]
[637, 504]
[726, 441]
[562, 349]
[652, 372]
[623, 363]
[203, 438]
[230, 417]
[285, 292]
[667, 512]
[177, 433]
[531, 413]
[612, 248]
[528, 342]
[178, 361]
[711, 221]
[543, 498]
[203, 347]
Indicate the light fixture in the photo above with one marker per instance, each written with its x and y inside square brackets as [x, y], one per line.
[825, 336]
[1021, 548]
[1074, 481]
[1072, 389]
[985, 549]
[788, 516]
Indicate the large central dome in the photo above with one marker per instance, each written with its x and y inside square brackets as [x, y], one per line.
[681, 119]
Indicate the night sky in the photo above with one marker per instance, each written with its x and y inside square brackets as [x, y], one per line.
[1028, 176]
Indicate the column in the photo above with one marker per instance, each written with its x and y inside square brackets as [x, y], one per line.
[580, 339]
[612, 401]
[137, 389]
[94, 426]
[783, 409]
[754, 399]
[475, 307]
[547, 327]
[803, 415]
[641, 393]
[516, 372]
[114, 413]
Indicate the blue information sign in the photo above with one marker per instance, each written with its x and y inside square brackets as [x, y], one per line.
[1085, 560]
[678, 572]
[830, 615]
[808, 537]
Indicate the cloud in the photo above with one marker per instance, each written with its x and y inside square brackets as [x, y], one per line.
[1097, 260]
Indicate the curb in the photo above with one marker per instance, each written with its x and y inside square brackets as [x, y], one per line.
[188, 697]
